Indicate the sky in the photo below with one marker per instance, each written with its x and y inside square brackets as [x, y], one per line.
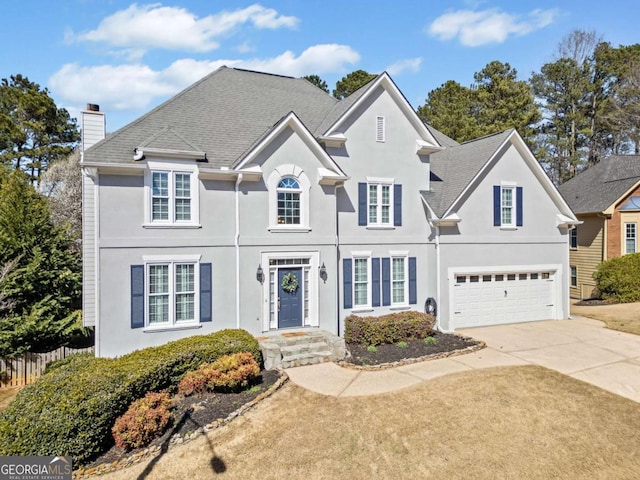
[129, 57]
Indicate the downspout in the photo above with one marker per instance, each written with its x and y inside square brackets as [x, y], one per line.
[439, 306]
[337, 244]
[237, 249]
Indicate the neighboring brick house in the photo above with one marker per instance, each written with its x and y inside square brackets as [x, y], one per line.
[606, 198]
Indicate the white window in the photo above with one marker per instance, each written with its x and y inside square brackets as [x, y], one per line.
[289, 201]
[380, 129]
[507, 206]
[361, 282]
[399, 289]
[380, 203]
[630, 237]
[574, 237]
[172, 297]
[172, 198]
[574, 276]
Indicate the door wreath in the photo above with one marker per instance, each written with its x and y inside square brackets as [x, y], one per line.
[289, 283]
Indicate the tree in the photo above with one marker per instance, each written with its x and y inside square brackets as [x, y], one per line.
[352, 82]
[625, 106]
[318, 82]
[34, 132]
[450, 109]
[62, 185]
[44, 284]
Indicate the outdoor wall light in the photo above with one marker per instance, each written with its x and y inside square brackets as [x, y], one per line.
[323, 273]
[260, 274]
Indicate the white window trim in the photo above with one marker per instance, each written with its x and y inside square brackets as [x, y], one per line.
[367, 306]
[405, 300]
[378, 224]
[380, 129]
[150, 260]
[278, 174]
[635, 237]
[171, 168]
[512, 224]
[314, 265]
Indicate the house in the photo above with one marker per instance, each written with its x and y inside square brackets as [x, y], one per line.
[258, 201]
[606, 198]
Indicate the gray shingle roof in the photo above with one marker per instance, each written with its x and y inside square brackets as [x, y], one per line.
[223, 114]
[442, 139]
[453, 169]
[599, 186]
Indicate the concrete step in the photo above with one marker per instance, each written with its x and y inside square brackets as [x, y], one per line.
[302, 348]
[293, 349]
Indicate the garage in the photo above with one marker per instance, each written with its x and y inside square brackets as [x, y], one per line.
[491, 298]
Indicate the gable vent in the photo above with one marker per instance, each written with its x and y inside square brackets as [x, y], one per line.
[379, 128]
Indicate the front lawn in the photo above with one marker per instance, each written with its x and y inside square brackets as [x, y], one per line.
[510, 422]
[624, 317]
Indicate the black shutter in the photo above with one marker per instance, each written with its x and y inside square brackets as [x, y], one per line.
[518, 206]
[413, 293]
[375, 282]
[397, 205]
[497, 220]
[386, 281]
[206, 293]
[137, 296]
[362, 204]
[347, 283]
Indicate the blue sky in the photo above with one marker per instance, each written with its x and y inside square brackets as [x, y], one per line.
[129, 57]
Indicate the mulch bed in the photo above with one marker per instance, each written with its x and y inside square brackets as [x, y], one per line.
[592, 302]
[196, 411]
[391, 353]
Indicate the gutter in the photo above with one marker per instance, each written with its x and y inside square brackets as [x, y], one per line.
[237, 249]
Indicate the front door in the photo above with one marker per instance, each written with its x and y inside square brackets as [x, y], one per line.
[289, 299]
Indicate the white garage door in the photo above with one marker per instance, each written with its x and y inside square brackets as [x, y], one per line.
[494, 298]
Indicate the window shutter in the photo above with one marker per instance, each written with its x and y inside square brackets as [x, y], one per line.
[205, 293]
[362, 203]
[518, 206]
[497, 221]
[137, 296]
[397, 205]
[386, 281]
[347, 283]
[413, 294]
[375, 282]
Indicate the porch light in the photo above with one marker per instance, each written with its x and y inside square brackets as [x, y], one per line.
[323, 273]
[260, 274]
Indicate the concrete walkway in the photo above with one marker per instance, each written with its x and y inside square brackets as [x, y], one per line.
[581, 348]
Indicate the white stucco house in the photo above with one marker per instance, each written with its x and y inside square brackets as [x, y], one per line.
[258, 201]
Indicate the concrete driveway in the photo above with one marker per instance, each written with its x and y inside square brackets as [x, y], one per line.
[581, 348]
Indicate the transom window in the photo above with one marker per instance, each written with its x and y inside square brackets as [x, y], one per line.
[360, 282]
[631, 237]
[380, 203]
[171, 294]
[399, 280]
[507, 197]
[289, 201]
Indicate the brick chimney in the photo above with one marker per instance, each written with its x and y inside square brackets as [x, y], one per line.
[92, 126]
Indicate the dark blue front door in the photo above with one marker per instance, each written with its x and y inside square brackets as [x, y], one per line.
[290, 303]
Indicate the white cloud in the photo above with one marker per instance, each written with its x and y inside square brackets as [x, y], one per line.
[134, 87]
[475, 28]
[407, 65]
[175, 28]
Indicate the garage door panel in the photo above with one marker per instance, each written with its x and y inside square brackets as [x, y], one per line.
[496, 298]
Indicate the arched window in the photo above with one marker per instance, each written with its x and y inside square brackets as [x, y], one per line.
[288, 201]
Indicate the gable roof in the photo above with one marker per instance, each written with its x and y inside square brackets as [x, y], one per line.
[454, 168]
[599, 187]
[223, 114]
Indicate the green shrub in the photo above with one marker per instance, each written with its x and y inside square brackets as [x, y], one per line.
[618, 279]
[430, 340]
[392, 328]
[229, 373]
[145, 419]
[71, 409]
[402, 344]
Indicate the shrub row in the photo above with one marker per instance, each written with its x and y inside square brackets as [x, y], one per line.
[70, 410]
[230, 373]
[618, 279]
[391, 328]
[146, 419]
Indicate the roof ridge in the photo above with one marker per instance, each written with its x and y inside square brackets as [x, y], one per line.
[484, 137]
[263, 73]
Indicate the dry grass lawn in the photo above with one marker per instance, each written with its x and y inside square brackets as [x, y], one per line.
[501, 423]
[624, 317]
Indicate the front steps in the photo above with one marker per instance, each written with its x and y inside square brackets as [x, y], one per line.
[295, 349]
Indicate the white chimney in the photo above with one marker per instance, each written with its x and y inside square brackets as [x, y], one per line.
[93, 126]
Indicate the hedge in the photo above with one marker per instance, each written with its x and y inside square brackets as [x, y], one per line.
[391, 328]
[71, 409]
[618, 279]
